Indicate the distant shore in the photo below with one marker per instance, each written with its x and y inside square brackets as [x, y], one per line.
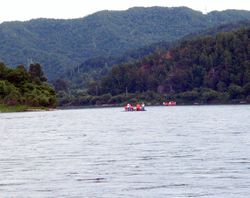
[147, 105]
[22, 108]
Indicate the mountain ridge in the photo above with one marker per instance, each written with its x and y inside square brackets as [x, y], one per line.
[60, 44]
[136, 8]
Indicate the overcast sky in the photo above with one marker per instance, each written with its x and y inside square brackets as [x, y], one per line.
[28, 9]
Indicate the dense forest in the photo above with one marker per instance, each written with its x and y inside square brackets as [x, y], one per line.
[203, 70]
[95, 68]
[64, 44]
[21, 87]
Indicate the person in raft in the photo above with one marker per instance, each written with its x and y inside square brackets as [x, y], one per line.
[129, 107]
[143, 106]
[138, 107]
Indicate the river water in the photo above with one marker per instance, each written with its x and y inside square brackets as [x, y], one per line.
[189, 151]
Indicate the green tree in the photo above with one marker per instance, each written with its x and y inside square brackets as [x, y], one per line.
[35, 70]
[13, 98]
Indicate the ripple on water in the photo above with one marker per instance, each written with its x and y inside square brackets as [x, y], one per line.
[198, 151]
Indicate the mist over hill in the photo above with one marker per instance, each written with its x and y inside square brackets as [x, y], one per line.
[62, 44]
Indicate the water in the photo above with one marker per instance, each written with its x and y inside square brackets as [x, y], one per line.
[198, 151]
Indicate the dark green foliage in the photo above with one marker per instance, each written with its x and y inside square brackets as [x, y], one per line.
[235, 91]
[246, 88]
[189, 96]
[95, 68]
[83, 99]
[61, 85]
[19, 87]
[206, 70]
[36, 73]
[64, 44]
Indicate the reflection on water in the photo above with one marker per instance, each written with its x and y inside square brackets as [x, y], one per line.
[199, 151]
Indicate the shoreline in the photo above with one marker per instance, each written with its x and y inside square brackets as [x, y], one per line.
[23, 108]
[151, 105]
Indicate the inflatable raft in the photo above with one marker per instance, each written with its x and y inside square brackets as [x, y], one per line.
[171, 103]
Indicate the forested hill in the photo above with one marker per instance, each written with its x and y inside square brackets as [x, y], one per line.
[95, 68]
[21, 87]
[207, 69]
[62, 44]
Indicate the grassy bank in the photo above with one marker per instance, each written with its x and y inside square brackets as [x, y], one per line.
[16, 108]
[20, 108]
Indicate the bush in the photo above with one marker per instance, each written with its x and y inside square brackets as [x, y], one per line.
[235, 91]
[5, 88]
[209, 95]
[224, 97]
[105, 98]
[93, 100]
[13, 98]
[246, 89]
[17, 86]
[118, 99]
[189, 95]
[43, 101]
[221, 87]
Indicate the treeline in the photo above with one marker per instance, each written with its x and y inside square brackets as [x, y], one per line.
[83, 98]
[21, 87]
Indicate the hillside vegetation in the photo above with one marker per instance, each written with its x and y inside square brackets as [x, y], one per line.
[204, 70]
[64, 44]
[95, 68]
[21, 87]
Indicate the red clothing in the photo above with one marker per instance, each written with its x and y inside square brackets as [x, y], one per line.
[138, 107]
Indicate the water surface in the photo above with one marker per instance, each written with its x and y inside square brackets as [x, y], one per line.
[190, 151]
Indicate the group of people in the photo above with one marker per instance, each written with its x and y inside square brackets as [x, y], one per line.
[138, 107]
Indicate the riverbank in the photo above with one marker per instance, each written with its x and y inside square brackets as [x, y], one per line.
[24, 108]
[21, 108]
[122, 105]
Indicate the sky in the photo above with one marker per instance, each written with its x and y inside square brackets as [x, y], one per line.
[22, 10]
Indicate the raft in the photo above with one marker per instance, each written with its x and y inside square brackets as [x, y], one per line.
[171, 103]
[133, 109]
